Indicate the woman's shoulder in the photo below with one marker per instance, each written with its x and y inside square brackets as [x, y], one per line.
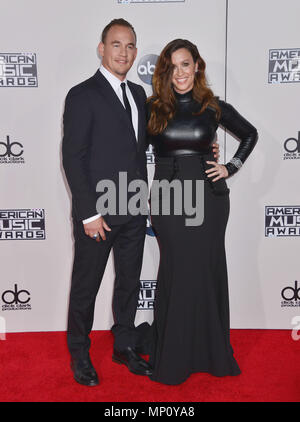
[224, 106]
[226, 109]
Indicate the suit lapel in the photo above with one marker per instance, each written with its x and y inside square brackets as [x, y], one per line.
[113, 101]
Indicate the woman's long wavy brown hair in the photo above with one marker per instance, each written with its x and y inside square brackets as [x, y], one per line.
[163, 102]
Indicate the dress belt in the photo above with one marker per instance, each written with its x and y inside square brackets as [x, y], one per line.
[174, 160]
[184, 153]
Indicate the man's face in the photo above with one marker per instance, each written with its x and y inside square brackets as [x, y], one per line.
[119, 51]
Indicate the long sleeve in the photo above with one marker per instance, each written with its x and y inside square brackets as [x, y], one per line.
[75, 150]
[243, 130]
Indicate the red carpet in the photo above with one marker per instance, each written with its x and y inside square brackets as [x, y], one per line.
[35, 368]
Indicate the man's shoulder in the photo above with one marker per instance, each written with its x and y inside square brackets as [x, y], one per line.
[82, 88]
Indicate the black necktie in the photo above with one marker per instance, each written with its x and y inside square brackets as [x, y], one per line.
[126, 102]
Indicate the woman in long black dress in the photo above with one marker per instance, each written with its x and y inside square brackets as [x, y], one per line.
[191, 312]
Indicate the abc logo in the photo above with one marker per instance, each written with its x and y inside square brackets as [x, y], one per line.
[292, 144]
[146, 68]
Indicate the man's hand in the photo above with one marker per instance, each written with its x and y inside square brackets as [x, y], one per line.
[216, 151]
[96, 227]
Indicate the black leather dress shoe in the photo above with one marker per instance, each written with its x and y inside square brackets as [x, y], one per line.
[84, 372]
[133, 361]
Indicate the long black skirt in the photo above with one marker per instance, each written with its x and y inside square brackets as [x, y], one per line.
[191, 327]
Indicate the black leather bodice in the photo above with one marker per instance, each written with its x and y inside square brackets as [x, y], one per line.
[187, 133]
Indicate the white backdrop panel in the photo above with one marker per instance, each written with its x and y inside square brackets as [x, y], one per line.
[64, 35]
[260, 267]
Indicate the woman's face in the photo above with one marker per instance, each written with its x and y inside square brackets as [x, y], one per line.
[184, 70]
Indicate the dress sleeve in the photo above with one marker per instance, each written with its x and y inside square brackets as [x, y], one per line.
[247, 134]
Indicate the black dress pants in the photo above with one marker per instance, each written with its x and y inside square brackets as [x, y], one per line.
[127, 241]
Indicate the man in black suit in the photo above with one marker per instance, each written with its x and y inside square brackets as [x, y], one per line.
[104, 134]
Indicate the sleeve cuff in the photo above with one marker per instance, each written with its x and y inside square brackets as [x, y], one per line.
[90, 219]
[231, 169]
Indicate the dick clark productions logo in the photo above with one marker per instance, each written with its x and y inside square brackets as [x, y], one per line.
[11, 152]
[16, 299]
[292, 148]
[291, 295]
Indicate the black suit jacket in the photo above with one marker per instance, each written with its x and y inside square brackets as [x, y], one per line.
[99, 142]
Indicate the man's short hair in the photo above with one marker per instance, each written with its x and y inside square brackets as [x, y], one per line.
[120, 22]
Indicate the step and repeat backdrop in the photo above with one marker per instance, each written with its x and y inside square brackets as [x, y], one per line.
[252, 51]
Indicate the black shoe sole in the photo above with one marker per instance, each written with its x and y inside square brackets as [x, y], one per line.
[122, 362]
[86, 383]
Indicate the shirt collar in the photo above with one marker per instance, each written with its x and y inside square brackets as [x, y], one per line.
[112, 79]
